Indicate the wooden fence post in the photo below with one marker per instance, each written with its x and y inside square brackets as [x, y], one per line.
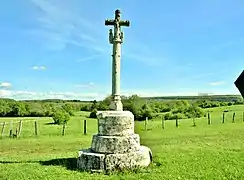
[223, 121]
[11, 129]
[209, 122]
[85, 127]
[146, 122]
[233, 119]
[3, 129]
[36, 132]
[163, 123]
[209, 119]
[63, 131]
[194, 121]
[16, 133]
[176, 122]
[20, 128]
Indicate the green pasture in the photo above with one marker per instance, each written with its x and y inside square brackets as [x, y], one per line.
[213, 151]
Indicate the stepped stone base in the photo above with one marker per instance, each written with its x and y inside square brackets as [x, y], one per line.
[92, 161]
[116, 146]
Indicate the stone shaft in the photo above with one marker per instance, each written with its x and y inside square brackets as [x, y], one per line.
[116, 68]
[116, 38]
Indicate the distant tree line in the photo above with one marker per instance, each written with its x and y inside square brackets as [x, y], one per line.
[220, 98]
[140, 107]
[168, 109]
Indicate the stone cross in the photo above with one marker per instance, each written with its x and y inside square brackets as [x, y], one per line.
[116, 38]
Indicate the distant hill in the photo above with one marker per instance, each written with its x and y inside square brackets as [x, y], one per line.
[47, 100]
[224, 98]
[207, 97]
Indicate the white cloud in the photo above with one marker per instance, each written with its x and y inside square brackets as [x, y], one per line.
[90, 84]
[38, 68]
[5, 85]
[24, 95]
[89, 58]
[217, 83]
[4, 93]
[61, 25]
[31, 95]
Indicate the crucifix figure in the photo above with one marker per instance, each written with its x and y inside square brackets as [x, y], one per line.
[116, 38]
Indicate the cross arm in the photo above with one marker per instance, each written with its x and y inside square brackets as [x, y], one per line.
[124, 23]
[109, 22]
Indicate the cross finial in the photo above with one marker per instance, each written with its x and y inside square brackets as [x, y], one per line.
[117, 18]
[117, 14]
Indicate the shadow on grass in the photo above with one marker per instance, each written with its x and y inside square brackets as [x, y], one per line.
[51, 123]
[68, 163]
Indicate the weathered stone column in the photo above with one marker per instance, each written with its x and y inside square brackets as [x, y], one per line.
[116, 39]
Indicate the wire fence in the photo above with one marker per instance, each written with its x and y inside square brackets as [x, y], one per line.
[13, 129]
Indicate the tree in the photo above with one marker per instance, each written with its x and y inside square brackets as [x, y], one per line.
[36, 110]
[94, 105]
[103, 106]
[68, 108]
[194, 112]
[19, 109]
[60, 117]
[48, 109]
[4, 109]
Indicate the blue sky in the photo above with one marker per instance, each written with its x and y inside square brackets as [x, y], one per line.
[60, 48]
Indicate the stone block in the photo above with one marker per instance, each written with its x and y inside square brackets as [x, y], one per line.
[141, 158]
[115, 123]
[116, 144]
[89, 160]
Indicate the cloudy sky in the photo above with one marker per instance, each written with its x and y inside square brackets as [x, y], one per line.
[60, 48]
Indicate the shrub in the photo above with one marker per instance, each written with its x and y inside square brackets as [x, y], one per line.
[145, 113]
[171, 116]
[60, 117]
[194, 111]
[93, 114]
[230, 103]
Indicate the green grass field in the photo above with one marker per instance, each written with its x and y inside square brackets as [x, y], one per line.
[213, 151]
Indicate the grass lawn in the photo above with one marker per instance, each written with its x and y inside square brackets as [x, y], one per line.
[213, 151]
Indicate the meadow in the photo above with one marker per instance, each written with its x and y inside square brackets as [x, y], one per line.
[213, 151]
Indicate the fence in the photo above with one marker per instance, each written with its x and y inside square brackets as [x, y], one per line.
[16, 132]
[194, 122]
